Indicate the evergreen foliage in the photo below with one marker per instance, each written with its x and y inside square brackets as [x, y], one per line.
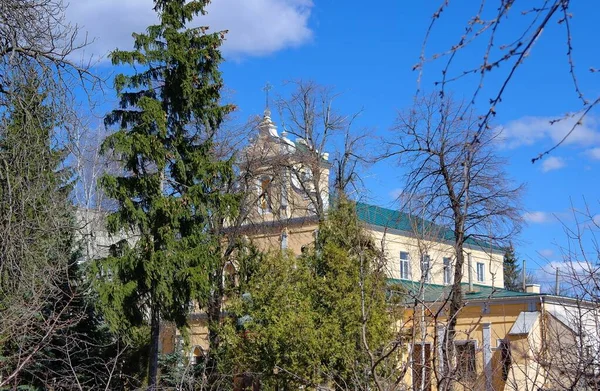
[35, 213]
[168, 114]
[50, 333]
[299, 320]
[512, 272]
[35, 226]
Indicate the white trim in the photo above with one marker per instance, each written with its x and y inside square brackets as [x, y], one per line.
[480, 276]
[448, 269]
[407, 275]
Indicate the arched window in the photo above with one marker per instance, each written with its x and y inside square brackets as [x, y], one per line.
[264, 198]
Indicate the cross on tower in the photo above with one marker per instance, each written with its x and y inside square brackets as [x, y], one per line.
[266, 89]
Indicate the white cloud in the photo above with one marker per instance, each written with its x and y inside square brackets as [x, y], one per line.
[532, 130]
[593, 153]
[537, 217]
[256, 27]
[553, 163]
[546, 253]
[568, 268]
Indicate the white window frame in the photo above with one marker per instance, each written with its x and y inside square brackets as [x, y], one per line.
[404, 266]
[447, 271]
[480, 272]
[426, 270]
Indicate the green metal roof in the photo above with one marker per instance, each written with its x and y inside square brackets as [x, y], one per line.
[383, 217]
[389, 218]
[436, 292]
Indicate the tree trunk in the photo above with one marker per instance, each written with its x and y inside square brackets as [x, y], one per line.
[154, 345]
[456, 302]
[215, 304]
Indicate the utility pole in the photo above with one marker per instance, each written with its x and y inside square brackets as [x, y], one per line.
[557, 284]
[524, 274]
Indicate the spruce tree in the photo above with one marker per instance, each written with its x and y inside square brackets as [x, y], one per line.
[512, 272]
[168, 114]
[36, 235]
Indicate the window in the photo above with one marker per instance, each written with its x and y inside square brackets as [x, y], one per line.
[480, 272]
[465, 361]
[447, 271]
[264, 199]
[404, 265]
[505, 357]
[426, 267]
[284, 240]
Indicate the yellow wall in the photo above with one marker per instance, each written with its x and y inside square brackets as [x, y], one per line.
[396, 241]
[269, 238]
[469, 327]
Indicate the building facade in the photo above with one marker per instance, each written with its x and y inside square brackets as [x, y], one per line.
[504, 340]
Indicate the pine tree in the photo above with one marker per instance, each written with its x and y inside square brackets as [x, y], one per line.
[512, 272]
[168, 115]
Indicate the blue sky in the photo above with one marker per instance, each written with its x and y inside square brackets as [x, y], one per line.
[367, 52]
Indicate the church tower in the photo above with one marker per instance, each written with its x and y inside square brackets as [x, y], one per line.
[289, 183]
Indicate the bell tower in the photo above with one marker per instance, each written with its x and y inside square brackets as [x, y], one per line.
[290, 178]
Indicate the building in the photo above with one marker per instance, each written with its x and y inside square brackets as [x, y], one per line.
[504, 340]
[293, 193]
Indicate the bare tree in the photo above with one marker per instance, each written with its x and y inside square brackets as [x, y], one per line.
[51, 334]
[455, 183]
[48, 324]
[576, 332]
[500, 49]
[276, 180]
[309, 114]
[36, 34]
[565, 355]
